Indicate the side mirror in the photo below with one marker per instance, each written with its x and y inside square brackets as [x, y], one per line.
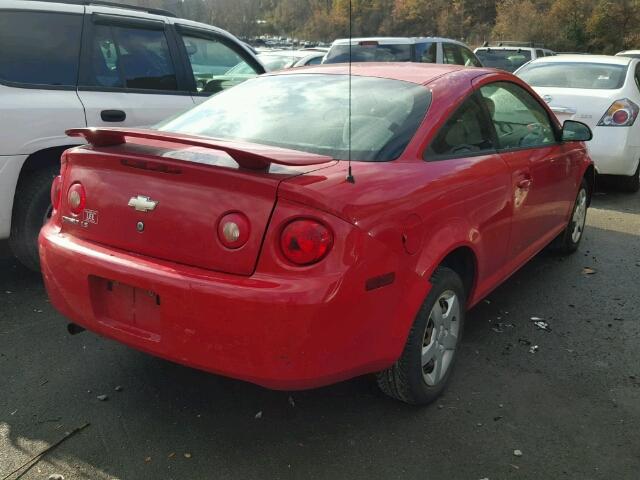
[573, 131]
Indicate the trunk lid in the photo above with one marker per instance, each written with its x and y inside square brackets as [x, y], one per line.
[583, 105]
[178, 188]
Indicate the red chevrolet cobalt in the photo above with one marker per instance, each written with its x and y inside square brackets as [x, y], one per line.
[236, 239]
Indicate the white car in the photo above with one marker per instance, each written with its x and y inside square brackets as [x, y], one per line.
[81, 63]
[510, 56]
[629, 53]
[603, 92]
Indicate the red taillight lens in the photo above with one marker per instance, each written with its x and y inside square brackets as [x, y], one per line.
[622, 113]
[56, 192]
[305, 241]
[76, 198]
[233, 230]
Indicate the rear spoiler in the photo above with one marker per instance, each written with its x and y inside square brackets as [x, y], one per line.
[248, 155]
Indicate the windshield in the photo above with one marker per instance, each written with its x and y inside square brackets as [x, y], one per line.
[373, 52]
[505, 59]
[309, 112]
[574, 75]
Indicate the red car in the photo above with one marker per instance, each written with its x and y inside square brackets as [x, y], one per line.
[234, 239]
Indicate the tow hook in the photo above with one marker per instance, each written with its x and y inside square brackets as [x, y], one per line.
[74, 329]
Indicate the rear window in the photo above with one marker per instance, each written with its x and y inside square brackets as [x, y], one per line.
[370, 52]
[309, 112]
[40, 48]
[574, 75]
[505, 59]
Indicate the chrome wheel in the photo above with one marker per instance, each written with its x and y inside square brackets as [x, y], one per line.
[579, 216]
[440, 337]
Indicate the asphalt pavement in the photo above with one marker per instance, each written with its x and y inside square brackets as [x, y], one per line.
[572, 408]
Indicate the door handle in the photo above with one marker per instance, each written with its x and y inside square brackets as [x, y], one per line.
[525, 183]
[113, 115]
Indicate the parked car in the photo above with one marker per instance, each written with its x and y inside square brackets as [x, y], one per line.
[510, 56]
[282, 59]
[73, 64]
[402, 49]
[603, 92]
[629, 53]
[236, 239]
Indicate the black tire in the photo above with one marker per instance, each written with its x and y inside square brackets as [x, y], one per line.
[566, 243]
[630, 184]
[405, 380]
[31, 204]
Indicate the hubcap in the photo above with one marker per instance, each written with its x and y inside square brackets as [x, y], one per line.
[440, 337]
[579, 216]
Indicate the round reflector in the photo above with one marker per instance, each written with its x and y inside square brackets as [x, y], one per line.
[620, 117]
[76, 198]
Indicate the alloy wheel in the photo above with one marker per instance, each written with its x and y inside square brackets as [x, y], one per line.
[440, 338]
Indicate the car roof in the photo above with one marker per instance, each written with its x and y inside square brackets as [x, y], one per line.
[635, 52]
[418, 73]
[604, 59]
[394, 40]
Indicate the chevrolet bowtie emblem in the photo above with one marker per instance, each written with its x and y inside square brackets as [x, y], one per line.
[142, 203]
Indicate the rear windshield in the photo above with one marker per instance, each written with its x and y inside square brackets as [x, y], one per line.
[309, 112]
[574, 75]
[369, 53]
[504, 59]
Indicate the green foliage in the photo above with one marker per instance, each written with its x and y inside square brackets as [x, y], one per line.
[599, 26]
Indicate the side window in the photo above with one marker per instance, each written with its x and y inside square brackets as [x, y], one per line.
[519, 120]
[135, 58]
[40, 48]
[638, 75]
[214, 64]
[451, 54]
[315, 61]
[466, 133]
[468, 58]
[539, 53]
[427, 52]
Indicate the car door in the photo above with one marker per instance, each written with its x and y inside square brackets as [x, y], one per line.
[476, 181]
[541, 166]
[214, 62]
[129, 75]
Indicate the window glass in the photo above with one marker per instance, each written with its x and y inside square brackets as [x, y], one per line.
[638, 75]
[519, 120]
[466, 133]
[40, 48]
[315, 61]
[427, 52]
[539, 53]
[134, 58]
[215, 66]
[310, 113]
[452, 54]
[504, 59]
[370, 52]
[599, 76]
[469, 58]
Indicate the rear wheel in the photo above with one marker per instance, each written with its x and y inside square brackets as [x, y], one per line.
[421, 373]
[569, 240]
[31, 210]
[630, 184]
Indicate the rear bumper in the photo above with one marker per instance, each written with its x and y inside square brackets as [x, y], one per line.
[277, 332]
[613, 151]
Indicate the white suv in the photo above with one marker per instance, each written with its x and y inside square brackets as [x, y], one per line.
[510, 56]
[73, 64]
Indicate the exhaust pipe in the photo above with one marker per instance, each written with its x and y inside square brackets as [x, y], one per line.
[74, 329]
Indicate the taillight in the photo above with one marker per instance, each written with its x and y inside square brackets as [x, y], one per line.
[305, 241]
[622, 113]
[56, 192]
[233, 230]
[76, 198]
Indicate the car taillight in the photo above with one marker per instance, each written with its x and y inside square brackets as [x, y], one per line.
[56, 192]
[233, 230]
[305, 241]
[622, 113]
[76, 198]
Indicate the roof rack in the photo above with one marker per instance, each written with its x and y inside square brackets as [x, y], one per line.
[509, 43]
[154, 11]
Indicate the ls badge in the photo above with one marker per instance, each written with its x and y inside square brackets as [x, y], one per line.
[142, 204]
